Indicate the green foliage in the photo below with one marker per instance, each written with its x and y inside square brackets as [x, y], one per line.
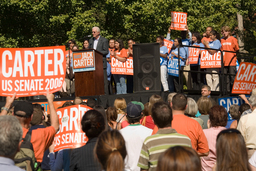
[32, 23]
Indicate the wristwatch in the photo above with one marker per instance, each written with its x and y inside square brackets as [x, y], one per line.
[4, 108]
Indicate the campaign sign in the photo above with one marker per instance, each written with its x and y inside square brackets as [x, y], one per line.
[83, 61]
[31, 71]
[70, 134]
[168, 44]
[210, 61]
[173, 67]
[193, 55]
[245, 79]
[123, 68]
[228, 101]
[179, 20]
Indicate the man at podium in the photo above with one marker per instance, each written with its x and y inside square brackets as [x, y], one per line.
[100, 44]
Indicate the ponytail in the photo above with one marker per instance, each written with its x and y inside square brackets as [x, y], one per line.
[110, 150]
[115, 161]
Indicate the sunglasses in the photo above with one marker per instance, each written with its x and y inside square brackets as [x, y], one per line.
[227, 131]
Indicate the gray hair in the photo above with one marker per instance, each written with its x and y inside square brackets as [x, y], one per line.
[207, 87]
[192, 107]
[252, 100]
[11, 135]
[97, 28]
[170, 96]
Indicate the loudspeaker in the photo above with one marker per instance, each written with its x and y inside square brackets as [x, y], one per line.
[146, 67]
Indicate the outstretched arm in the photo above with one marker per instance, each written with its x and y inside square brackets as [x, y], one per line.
[8, 104]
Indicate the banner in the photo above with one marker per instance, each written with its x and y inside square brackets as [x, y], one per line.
[168, 44]
[179, 20]
[70, 134]
[173, 67]
[210, 61]
[245, 79]
[228, 101]
[32, 71]
[193, 55]
[83, 61]
[123, 68]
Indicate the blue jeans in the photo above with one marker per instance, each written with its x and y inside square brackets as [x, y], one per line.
[120, 84]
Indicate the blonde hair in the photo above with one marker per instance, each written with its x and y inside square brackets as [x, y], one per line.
[152, 100]
[227, 28]
[120, 105]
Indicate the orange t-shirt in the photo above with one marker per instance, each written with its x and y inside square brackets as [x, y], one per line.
[41, 140]
[111, 50]
[191, 128]
[229, 44]
[206, 39]
[122, 53]
[130, 55]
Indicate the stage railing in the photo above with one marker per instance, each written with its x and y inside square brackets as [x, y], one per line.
[223, 91]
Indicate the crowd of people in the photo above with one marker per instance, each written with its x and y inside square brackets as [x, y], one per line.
[124, 83]
[179, 134]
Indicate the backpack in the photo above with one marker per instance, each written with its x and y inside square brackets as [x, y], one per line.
[25, 158]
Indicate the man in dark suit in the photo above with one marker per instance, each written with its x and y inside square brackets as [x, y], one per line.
[100, 44]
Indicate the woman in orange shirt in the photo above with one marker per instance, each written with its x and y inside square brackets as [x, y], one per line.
[119, 54]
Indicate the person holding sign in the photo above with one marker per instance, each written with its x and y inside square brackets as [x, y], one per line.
[174, 65]
[120, 54]
[194, 60]
[229, 43]
[212, 79]
[185, 41]
[163, 62]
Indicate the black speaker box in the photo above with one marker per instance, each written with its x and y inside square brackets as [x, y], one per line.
[146, 67]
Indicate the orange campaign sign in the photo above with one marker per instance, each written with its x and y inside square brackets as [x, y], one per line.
[31, 71]
[123, 68]
[168, 44]
[70, 134]
[193, 55]
[83, 61]
[179, 20]
[245, 80]
[210, 61]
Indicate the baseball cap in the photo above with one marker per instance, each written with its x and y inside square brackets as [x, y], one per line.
[23, 106]
[134, 109]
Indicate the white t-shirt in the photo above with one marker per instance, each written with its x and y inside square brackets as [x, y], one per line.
[252, 160]
[134, 136]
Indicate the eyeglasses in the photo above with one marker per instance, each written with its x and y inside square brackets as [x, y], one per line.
[228, 131]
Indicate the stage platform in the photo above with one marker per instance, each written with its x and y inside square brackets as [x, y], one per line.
[108, 100]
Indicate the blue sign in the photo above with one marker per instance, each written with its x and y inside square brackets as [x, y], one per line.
[173, 67]
[228, 101]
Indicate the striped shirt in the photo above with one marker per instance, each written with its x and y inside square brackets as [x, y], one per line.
[155, 145]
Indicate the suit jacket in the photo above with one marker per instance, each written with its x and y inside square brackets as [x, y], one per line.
[83, 158]
[102, 47]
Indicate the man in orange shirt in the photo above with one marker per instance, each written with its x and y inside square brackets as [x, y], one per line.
[41, 138]
[187, 126]
[229, 43]
[207, 38]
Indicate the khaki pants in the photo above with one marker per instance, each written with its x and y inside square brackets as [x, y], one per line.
[213, 79]
[187, 76]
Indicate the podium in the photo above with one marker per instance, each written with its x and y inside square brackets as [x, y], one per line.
[88, 68]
